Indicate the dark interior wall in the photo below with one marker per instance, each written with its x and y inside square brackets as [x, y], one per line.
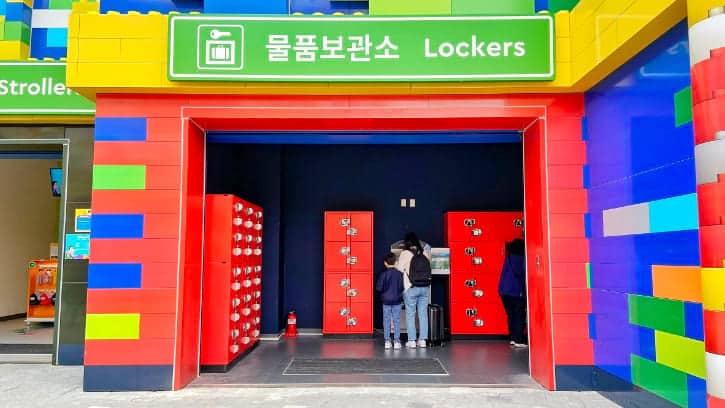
[253, 172]
[296, 183]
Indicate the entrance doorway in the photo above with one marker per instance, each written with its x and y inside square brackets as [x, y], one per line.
[296, 183]
[551, 129]
[33, 185]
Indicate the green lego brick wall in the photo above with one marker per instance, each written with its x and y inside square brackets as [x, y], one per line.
[490, 7]
[410, 7]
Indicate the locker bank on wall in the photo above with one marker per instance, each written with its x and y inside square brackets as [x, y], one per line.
[161, 80]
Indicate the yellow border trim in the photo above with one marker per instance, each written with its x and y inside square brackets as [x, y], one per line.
[127, 53]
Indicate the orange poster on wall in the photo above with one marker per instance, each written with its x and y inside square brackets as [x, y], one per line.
[42, 276]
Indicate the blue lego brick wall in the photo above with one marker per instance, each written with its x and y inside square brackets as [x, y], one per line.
[162, 6]
[643, 212]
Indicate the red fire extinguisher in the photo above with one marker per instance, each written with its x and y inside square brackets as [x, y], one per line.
[291, 325]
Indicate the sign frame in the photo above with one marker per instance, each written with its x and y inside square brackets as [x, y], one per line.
[43, 111]
[178, 76]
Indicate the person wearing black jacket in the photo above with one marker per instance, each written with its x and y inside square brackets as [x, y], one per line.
[390, 286]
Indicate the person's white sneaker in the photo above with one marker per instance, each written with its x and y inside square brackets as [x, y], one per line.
[388, 345]
[410, 344]
[397, 345]
[519, 345]
[421, 344]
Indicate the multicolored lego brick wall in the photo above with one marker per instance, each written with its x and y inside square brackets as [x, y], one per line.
[147, 191]
[36, 28]
[373, 7]
[647, 311]
[707, 59]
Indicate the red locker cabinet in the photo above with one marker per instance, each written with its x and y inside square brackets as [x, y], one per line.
[232, 282]
[348, 273]
[477, 242]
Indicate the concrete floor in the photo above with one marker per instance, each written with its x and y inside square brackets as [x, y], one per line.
[478, 363]
[17, 332]
[45, 385]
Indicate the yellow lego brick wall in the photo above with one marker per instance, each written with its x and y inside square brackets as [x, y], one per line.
[128, 53]
[697, 9]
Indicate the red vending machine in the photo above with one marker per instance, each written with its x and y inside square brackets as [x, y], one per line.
[232, 282]
[477, 243]
[348, 273]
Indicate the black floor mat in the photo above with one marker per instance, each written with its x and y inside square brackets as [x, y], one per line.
[379, 366]
[26, 348]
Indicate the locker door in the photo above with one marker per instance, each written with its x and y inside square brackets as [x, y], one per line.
[361, 318]
[337, 256]
[487, 258]
[466, 319]
[362, 226]
[467, 288]
[337, 224]
[461, 254]
[336, 287]
[500, 226]
[462, 226]
[361, 288]
[335, 318]
[494, 317]
[361, 257]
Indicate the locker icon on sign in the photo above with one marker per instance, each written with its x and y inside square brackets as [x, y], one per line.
[220, 47]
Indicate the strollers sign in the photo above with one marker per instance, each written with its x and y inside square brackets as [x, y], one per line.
[348, 49]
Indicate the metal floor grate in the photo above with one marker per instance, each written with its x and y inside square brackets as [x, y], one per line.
[375, 366]
[26, 348]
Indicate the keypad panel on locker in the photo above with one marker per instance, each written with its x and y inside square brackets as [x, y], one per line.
[477, 242]
[232, 286]
[348, 272]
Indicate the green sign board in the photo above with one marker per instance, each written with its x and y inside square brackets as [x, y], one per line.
[250, 48]
[38, 88]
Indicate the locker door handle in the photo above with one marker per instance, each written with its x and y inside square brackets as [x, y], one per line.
[478, 322]
[344, 311]
[344, 222]
[518, 223]
[477, 260]
[352, 292]
[344, 250]
[476, 232]
[470, 283]
[351, 260]
[470, 251]
[352, 321]
[352, 232]
[344, 283]
[469, 222]
[471, 312]
[477, 293]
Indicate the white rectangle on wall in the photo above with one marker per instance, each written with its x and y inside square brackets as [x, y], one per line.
[50, 18]
[629, 220]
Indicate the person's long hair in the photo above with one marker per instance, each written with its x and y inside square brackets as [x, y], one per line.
[412, 243]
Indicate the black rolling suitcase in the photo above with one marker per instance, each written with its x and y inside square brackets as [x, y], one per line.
[436, 326]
